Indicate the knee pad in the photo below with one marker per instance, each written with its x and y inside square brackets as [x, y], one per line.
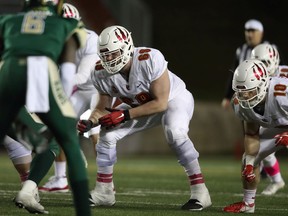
[184, 148]
[175, 136]
[16, 150]
[270, 160]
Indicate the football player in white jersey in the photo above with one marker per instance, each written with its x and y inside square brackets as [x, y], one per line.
[269, 55]
[84, 97]
[261, 102]
[151, 95]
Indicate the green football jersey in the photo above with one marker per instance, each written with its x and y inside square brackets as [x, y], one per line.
[38, 33]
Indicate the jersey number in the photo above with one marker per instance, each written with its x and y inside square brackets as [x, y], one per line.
[280, 90]
[33, 23]
[144, 54]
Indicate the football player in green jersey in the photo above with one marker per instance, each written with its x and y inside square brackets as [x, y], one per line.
[35, 42]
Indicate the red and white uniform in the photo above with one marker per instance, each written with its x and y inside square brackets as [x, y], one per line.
[275, 118]
[147, 65]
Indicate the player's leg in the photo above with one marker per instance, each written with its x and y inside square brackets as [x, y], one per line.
[176, 126]
[267, 146]
[58, 182]
[20, 156]
[61, 120]
[80, 100]
[12, 92]
[104, 191]
[272, 168]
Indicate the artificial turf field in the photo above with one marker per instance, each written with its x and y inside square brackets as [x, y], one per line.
[150, 186]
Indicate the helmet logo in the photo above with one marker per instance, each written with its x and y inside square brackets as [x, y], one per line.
[258, 73]
[122, 36]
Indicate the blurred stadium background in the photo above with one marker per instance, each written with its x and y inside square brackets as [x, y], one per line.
[199, 42]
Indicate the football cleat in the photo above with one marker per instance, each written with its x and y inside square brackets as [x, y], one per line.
[273, 187]
[55, 184]
[26, 199]
[102, 195]
[192, 205]
[240, 207]
[199, 199]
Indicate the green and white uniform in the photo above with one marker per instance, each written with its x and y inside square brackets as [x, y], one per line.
[42, 33]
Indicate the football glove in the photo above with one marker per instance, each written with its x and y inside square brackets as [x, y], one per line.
[282, 139]
[114, 118]
[248, 173]
[84, 126]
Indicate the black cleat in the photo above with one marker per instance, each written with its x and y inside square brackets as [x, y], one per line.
[192, 205]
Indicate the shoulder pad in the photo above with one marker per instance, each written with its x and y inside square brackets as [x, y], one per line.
[81, 34]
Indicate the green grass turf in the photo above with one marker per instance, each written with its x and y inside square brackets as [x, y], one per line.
[152, 186]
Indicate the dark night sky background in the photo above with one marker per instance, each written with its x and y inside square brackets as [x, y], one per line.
[199, 41]
[199, 38]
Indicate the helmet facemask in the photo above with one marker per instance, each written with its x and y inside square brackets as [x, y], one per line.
[249, 98]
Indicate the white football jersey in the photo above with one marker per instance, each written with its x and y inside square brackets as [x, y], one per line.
[148, 64]
[276, 106]
[282, 71]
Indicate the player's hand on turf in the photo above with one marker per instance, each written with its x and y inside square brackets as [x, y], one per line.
[282, 139]
[248, 173]
[84, 126]
[114, 118]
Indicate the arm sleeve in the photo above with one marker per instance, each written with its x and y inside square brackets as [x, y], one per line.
[85, 67]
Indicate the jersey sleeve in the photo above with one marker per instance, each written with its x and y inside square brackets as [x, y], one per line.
[88, 58]
[157, 63]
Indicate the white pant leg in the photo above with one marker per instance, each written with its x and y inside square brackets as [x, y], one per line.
[17, 153]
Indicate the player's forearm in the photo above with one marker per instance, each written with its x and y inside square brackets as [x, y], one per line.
[149, 108]
[251, 145]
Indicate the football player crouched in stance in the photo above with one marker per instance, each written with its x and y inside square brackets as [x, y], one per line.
[153, 95]
[258, 99]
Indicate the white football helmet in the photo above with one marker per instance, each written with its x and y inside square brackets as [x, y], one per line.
[115, 48]
[269, 55]
[250, 83]
[69, 11]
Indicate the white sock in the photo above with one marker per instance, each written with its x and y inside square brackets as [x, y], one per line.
[249, 196]
[60, 168]
[192, 168]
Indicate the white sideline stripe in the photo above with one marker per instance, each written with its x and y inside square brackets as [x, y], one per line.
[12, 193]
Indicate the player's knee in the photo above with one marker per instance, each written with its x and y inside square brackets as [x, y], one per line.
[106, 156]
[175, 136]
